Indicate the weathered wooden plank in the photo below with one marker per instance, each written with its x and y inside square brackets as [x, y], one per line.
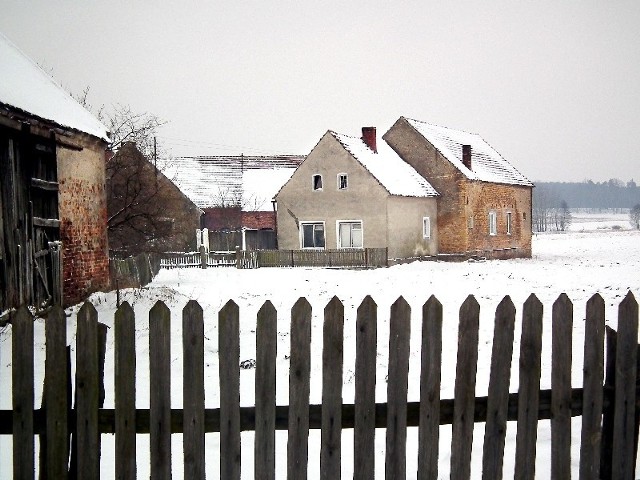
[562, 329]
[528, 392]
[606, 450]
[592, 386]
[399, 334]
[56, 393]
[430, 376]
[464, 390]
[332, 357]
[22, 390]
[125, 391]
[299, 371]
[87, 393]
[193, 390]
[626, 370]
[365, 389]
[160, 391]
[266, 352]
[498, 395]
[229, 352]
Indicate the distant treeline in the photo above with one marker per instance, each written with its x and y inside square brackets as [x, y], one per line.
[588, 194]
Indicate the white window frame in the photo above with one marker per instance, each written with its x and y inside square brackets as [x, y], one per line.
[301, 233]
[426, 228]
[493, 223]
[509, 224]
[339, 243]
[346, 181]
[470, 222]
[313, 182]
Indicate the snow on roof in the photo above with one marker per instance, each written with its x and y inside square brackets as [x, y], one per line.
[487, 164]
[251, 181]
[393, 173]
[25, 86]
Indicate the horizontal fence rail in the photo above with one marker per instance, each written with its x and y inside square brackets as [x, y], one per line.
[607, 402]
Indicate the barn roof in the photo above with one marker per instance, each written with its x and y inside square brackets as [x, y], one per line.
[394, 174]
[26, 88]
[486, 163]
[251, 181]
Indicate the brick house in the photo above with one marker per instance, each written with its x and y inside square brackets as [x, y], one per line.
[484, 205]
[52, 189]
[357, 193]
[235, 193]
[147, 212]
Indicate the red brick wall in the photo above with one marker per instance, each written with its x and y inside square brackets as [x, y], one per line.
[83, 215]
[259, 220]
[217, 218]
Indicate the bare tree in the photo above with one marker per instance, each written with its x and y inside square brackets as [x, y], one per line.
[634, 216]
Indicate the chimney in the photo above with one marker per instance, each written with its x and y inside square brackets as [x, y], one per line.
[466, 156]
[369, 138]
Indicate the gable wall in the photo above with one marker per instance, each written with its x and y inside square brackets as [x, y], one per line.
[406, 216]
[83, 216]
[364, 199]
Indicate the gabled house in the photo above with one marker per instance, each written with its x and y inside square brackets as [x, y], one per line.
[52, 189]
[147, 212]
[357, 193]
[485, 203]
[236, 195]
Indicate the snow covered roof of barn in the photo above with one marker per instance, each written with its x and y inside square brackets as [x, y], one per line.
[487, 164]
[251, 180]
[27, 88]
[394, 174]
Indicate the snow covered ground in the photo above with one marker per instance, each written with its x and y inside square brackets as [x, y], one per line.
[582, 262]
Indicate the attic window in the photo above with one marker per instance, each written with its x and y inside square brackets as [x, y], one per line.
[317, 182]
[342, 181]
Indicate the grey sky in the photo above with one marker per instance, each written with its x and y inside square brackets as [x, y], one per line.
[553, 86]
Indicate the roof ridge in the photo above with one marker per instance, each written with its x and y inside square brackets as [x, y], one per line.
[442, 126]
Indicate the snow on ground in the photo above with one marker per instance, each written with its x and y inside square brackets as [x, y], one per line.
[579, 263]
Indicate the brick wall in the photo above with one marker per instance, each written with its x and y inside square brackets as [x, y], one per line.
[259, 220]
[83, 215]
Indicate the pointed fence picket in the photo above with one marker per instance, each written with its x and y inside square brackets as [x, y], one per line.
[609, 411]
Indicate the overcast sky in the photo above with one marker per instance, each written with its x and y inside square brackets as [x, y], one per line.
[553, 86]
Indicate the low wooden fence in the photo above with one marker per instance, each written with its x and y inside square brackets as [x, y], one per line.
[609, 407]
[133, 272]
[202, 259]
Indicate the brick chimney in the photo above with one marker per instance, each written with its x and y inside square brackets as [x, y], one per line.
[466, 156]
[369, 138]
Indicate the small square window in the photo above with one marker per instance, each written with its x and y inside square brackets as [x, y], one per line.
[426, 227]
[342, 181]
[317, 182]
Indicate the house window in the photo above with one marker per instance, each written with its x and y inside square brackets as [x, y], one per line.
[426, 227]
[508, 223]
[312, 235]
[350, 234]
[493, 223]
[317, 182]
[342, 181]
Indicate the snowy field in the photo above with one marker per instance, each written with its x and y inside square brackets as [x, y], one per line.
[592, 258]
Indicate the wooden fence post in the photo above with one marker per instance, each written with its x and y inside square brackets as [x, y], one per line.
[430, 376]
[529, 389]
[22, 393]
[160, 395]
[203, 257]
[229, 371]
[400, 329]
[332, 352]
[365, 389]
[266, 353]
[57, 444]
[125, 391]
[625, 396]
[498, 396]
[193, 390]
[592, 390]
[464, 390]
[87, 393]
[299, 372]
[562, 327]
